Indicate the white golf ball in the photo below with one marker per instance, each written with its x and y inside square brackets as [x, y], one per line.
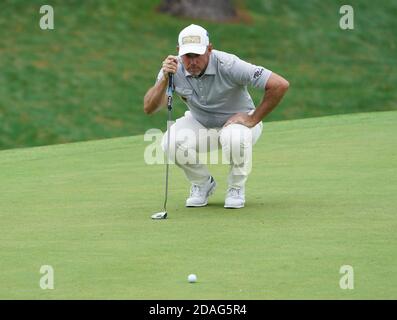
[192, 278]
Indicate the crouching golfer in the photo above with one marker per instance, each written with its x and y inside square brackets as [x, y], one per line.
[213, 84]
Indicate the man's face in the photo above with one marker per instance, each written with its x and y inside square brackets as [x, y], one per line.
[196, 64]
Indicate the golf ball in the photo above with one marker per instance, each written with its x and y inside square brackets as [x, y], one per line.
[192, 278]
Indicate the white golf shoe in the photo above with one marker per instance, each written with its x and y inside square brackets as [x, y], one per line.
[235, 198]
[199, 194]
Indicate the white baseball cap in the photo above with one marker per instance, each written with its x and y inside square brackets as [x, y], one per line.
[193, 39]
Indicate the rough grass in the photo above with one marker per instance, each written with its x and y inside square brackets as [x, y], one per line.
[86, 79]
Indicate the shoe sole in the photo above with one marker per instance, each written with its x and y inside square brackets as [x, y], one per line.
[210, 192]
[234, 207]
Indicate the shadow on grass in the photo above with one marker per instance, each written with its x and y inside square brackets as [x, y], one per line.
[271, 208]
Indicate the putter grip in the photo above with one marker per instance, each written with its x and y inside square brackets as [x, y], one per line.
[170, 82]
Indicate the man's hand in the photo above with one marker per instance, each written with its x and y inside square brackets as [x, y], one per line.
[242, 118]
[170, 65]
[155, 97]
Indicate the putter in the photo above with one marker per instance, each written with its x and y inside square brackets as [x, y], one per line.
[163, 214]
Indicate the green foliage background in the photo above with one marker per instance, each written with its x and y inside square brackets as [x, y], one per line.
[86, 79]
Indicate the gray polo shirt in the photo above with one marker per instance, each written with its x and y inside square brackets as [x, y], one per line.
[222, 90]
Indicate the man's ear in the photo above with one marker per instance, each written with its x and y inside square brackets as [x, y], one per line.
[210, 47]
[177, 49]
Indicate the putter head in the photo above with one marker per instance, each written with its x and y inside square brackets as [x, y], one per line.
[160, 215]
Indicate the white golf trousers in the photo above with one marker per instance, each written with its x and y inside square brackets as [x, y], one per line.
[189, 140]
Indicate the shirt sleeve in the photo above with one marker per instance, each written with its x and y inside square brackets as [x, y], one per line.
[160, 75]
[245, 73]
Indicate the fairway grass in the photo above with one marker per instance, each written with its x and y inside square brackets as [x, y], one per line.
[322, 194]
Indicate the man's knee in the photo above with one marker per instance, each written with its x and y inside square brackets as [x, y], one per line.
[182, 146]
[164, 142]
[178, 142]
[236, 137]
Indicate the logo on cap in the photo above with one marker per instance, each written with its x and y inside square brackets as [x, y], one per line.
[191, 39]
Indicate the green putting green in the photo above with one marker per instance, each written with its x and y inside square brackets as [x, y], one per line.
[322, 194]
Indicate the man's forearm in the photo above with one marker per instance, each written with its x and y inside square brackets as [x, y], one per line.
[155, 97]
[271, 99]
